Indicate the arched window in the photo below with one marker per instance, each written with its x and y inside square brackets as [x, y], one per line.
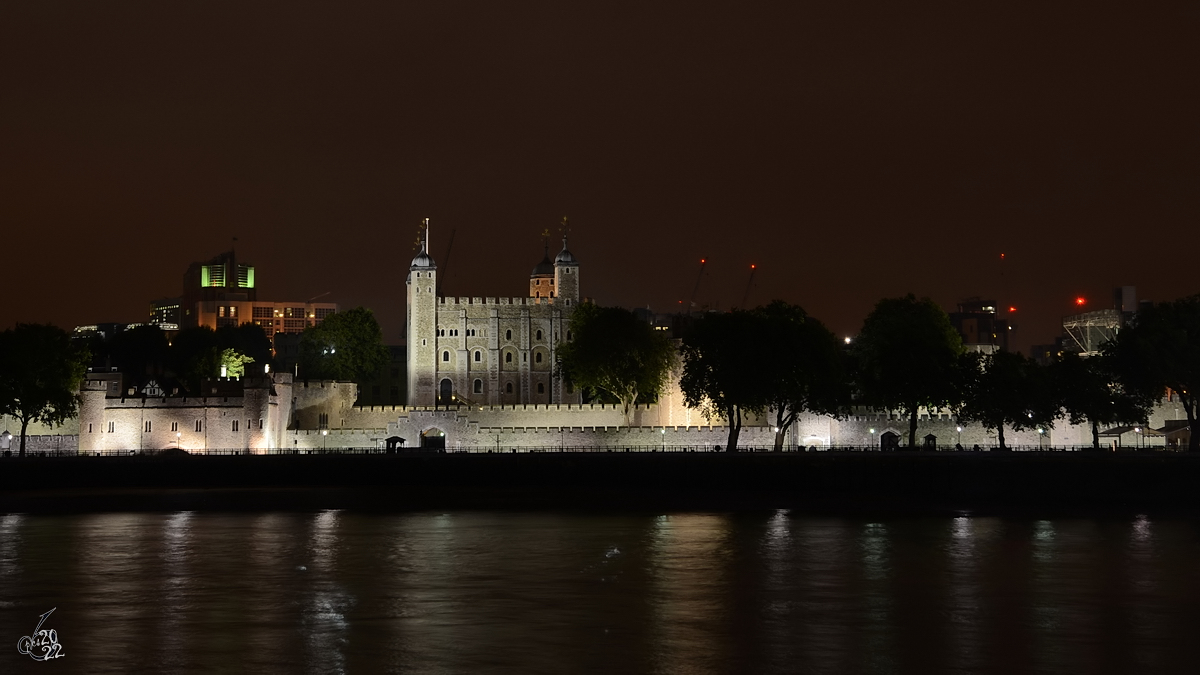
[539, 335]
[445, 390]
[537, 357]
[508, 335]
[445, 356]
[541, 388]
[508, 357]
[568, 336]
[478, 388]
[508, 388]
[478, 356]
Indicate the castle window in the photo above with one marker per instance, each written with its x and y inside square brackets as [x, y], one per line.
[174, 426]
[539, 335]
[445, 356]
[235, 425]
[508, 357]
[508, 335]
[422, 342]
[112, 427]
[89, 428]
[478, 388]
[508, 388]
[147, 426]
[198, 427]
[568, 303]
[478, 356]
[537, 357]
[260, 423]
[541, 388]
[568, 336]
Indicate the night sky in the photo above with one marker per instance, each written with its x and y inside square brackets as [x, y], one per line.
[851, 150]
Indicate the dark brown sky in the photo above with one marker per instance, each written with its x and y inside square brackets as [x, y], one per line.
[852, 150]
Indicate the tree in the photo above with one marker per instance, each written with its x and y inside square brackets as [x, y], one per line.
[1160, 350]
[234, 362]
[345, 346]
[248, 340]
[808, 372]
[194, 356]
[723, 366]
[139, 353]
[1006, 388]
[613, 354]
[907, 357]
[1089, 392]
[40, 374]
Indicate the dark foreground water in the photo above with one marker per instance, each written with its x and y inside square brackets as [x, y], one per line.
[337, 592]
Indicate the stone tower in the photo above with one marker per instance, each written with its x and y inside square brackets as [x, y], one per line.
[541, 279]
[422, 325]
[566, 278]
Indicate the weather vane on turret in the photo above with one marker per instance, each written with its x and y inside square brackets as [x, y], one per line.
[422, 239]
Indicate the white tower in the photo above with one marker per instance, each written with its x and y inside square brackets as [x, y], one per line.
[421, 325]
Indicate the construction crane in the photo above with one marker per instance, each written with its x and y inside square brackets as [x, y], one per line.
[692, 300]
[446, 263]
[749, 285]
[317, 296]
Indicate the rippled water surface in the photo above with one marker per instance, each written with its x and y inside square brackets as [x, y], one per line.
[337, 592]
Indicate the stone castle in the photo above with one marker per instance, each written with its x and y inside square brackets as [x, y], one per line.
[481, 378]
[485, 350]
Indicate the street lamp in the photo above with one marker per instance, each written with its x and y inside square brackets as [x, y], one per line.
[958, 439]
[664, 438]
[1137, 439]
[324, 433]
[178, 435]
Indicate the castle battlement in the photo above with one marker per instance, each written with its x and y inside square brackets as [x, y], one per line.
[472, 300]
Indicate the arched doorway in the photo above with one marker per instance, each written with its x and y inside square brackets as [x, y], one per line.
[445, 391]
[433, 439]
[889, 440]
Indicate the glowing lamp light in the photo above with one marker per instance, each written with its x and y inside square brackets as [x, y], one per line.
[754, 267]
[847, 339]
[1011, 309]
[1081, 301]
[703, 260]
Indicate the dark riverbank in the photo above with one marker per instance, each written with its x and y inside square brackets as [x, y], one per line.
[1030, 483]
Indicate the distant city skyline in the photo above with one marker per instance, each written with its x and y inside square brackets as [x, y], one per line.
[852, 153]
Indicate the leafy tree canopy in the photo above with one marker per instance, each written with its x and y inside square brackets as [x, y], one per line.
[1089, 392]
[808, 369]
[1006, 388]
[344, 346]
[723, 367]
[907, 357]
[615, 356]
[1160, 351]
[40, 374]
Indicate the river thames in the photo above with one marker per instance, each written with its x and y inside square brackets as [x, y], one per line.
[485, 592]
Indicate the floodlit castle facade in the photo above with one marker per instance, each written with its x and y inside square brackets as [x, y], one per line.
[486, 350]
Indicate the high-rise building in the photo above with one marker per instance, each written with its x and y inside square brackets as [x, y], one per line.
[979, 324]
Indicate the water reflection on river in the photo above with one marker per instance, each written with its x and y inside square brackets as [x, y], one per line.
[336, 592]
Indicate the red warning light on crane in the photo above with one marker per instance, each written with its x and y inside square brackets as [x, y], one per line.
[1080, 301]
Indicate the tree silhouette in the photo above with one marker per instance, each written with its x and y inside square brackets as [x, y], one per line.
[40, 374]
[907, 357]
[614, 354]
